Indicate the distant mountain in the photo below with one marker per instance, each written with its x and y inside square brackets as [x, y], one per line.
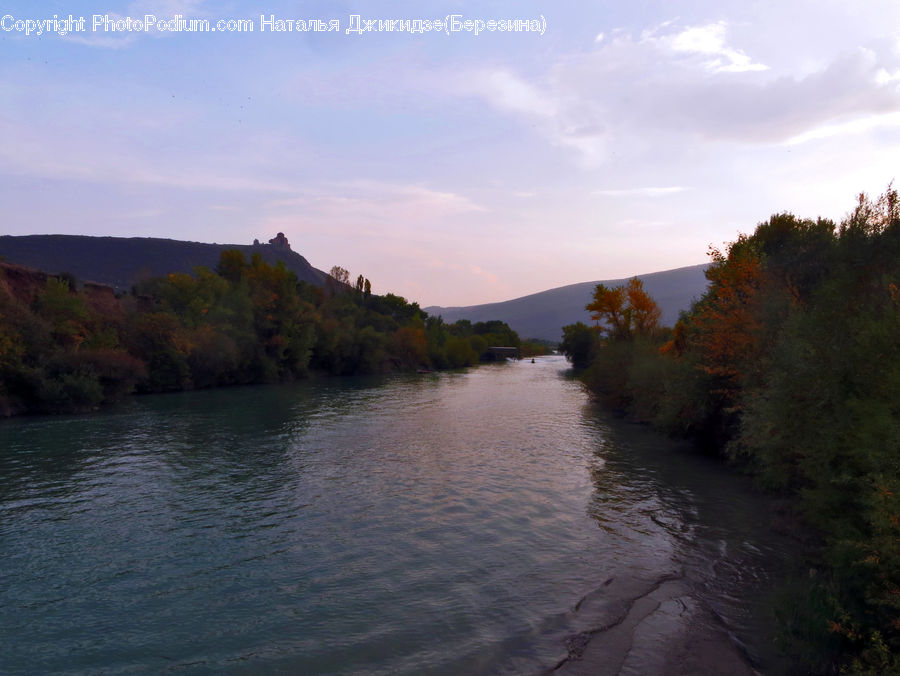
[120, 262]
[543, 314]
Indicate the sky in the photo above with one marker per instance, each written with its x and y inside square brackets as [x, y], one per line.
[451, 168]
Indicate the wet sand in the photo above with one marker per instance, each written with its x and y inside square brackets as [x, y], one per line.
[656, 627]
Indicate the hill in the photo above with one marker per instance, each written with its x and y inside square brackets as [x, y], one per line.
[121, 261]
[542, 315]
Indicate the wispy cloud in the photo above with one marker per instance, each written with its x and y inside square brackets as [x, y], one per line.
[857, 126]
[483, 274]
[366, 200]
[59, 155]
[507, 91]
[642, 192]
[708, 40]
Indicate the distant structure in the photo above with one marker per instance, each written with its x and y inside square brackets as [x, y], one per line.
[503, 352]
[280, 242]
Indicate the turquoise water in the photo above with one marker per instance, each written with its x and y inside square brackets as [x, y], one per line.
[427, 524]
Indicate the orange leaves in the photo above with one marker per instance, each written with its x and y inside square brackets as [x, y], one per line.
[409, 346]
[676, 346]
[608, 306]
[625, 311]
[644, 311]
[728, 327]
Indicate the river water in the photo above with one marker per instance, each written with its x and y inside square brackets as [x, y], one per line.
[454, 523]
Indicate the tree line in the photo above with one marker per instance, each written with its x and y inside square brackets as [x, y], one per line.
[65, 349]
[789, 365]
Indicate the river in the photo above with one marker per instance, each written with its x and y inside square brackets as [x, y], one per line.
[490, 521]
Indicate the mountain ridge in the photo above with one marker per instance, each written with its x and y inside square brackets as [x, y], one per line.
[543, 314]
[120, 262]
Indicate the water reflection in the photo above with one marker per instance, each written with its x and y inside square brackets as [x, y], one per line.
[420, 524]
[715, 523]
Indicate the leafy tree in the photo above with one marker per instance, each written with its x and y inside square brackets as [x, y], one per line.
[408, 347]
[643, 312]
[608, 310]
[231, 265]
[340, 275]
[338, 280]
[459, 352]
[65, 310]
[623, 312]
[578, 344]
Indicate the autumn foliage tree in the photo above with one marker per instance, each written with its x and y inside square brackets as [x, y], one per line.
[624, 312]
[726, 324]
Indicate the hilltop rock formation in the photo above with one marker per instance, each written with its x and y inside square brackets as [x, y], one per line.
[280, 241]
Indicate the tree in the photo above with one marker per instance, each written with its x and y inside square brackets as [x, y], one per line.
[231, 265]
[623, 312]
[408, 347]
[578, 344]
[608, 310]
[65, 310]
[644, 313]
[726, 322]
[340, 275]
[338, 280]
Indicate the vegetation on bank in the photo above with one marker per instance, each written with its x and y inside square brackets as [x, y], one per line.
[66, 349]
[790, 365]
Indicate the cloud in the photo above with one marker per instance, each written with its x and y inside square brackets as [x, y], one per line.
[673, 86]
[507, 91]
[364, 204]
[883, 77]
[483, 274]
[64, 154]
[378, 193]
[631, 223]
[857, 126]
[642, 192]
[35, 154]
[709, 40]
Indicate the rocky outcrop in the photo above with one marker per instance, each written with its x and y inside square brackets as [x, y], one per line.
[280, 241]
[21, 282]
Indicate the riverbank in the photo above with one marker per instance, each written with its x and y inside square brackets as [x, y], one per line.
[712, 609]
[784, 366]
[68, 347]
[664, 631]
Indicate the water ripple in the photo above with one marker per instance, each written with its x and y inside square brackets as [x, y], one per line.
[421, 525]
